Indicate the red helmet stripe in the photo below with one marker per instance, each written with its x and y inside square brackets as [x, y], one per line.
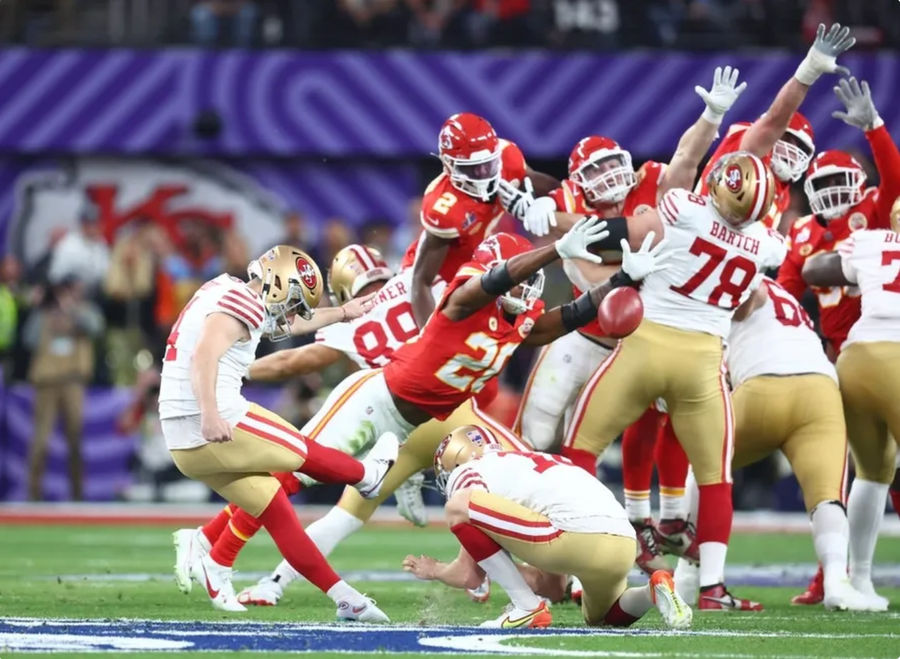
[363, 256]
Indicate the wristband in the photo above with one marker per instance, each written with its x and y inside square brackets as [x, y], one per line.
[578, 313]
[497, 281]
[813, 66]
[712, 116]
[620, 278]
[618, 230]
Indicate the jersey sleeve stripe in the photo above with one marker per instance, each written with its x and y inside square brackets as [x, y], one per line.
[668, 210]
[440, 232]
[246, 295]
[239, 302]
[469, 480]
[237, 313]
[246, 300]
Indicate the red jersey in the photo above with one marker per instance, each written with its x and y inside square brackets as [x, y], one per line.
[569, 198]
[731, 143]
[453, 215]
[839, 306]
[453, 360]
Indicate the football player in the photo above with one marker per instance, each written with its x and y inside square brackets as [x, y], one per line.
[549, 513]
[867, 370]
[786, 398]
[602, 182]
[486, 312]
[461, 206]
[720, 248]
[782, 135]
[217, 437]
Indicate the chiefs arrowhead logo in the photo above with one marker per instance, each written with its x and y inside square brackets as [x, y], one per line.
[307, 272]
[733, 178]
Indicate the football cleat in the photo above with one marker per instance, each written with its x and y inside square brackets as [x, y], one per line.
[576, 590]
[679, 537]
[815, 591]
[190, 547]
[364, 611]
[410, 504]
[649, 557]
[482, 593]
[876, 601]
[216, 579]
[376, 463]
[516, 618]
[266, 592]
[674, 611]
[717, 598]
[842, 596]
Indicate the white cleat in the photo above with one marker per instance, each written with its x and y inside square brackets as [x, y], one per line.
[216, 579]
[876, 601]
[190, 547]
[360, 612]
[381, 458]
[266, 592]
[514, 617]
[482, 593]
[842, 596]
[674, 611]
[410, 504]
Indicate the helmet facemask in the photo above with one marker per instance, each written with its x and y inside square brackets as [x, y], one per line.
[477, 175]
[523, 299]
[607, 178]
[280, 315]
[790, 157]
[832, 193]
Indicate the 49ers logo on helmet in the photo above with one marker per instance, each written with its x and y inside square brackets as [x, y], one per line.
[733, 178]
[307, 273]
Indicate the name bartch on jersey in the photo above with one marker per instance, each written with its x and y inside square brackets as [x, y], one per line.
[733, 238]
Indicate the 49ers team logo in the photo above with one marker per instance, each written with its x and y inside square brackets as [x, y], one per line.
[307, 272]
[733, 178]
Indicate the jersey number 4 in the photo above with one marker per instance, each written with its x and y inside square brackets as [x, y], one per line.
[491, 362]
[727, 284]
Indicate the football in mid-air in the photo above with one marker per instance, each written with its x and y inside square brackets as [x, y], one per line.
[620, 312]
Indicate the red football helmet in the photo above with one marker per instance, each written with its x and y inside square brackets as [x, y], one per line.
[500, 247]
[793, 150]
[834, 184]
[602, 169]
[470, 151]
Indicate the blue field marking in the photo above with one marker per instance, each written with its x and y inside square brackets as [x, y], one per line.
[31, 634]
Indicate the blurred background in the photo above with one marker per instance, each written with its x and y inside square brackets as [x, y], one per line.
[148, 145]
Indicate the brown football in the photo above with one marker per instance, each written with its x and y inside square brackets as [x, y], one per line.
[620, 312]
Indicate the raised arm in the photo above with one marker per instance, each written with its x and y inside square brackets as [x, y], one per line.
[543, 184]
[429, 259]
[825, 270]
[697, 139]
[283, 364]
[821, 58]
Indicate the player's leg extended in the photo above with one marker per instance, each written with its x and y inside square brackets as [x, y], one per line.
[558, 374]
[678, 536]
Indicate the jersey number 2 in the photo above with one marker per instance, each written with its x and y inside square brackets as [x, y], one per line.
[726, 285]
[484, 367]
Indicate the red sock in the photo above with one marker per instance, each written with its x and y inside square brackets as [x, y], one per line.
[617, 617]
[715, 513]
[637, 451]
[300, 552]
[240, 529]
[670, 458]
[214, 527]
[475, 541]
[328, 465]
[895, 499]
[581, 458]
[289, 483]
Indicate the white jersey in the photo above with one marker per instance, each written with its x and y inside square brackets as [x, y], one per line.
[776, 339]
[712, 270]
[371, 339]
[224, 294]
[551, 485]
[871, 259]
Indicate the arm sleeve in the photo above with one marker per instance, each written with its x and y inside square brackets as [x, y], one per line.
[887, 161]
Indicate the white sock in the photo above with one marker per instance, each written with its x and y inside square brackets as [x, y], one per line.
[500, 568]
[344, 591]
[687, 579]
[328, 531]
[200, 536]
[636, 601]
[830, 536]
[672, 503]
[284, 574]
[691, 497]
[865, 509]
[712, 563]
[637, 505]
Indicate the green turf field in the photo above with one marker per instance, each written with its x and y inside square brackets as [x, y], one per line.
[116, 572]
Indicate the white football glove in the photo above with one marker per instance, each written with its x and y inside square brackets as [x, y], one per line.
[641, 263]
[861, 110]
[722, 95]
[540, 216]
[515, 200]
[822, 55]
[586, 231]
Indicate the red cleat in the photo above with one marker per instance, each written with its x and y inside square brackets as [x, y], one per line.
[679, 537]
[649, 558]
[815, 591]
[717, 598]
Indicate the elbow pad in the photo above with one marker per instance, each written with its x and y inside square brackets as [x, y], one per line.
[618, 229]
[578, 313]
[497, 281]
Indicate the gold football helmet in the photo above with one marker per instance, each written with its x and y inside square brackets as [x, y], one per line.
[459, 447]
[354, 268]
[741, 188]
[895, 215]
[291, 285]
